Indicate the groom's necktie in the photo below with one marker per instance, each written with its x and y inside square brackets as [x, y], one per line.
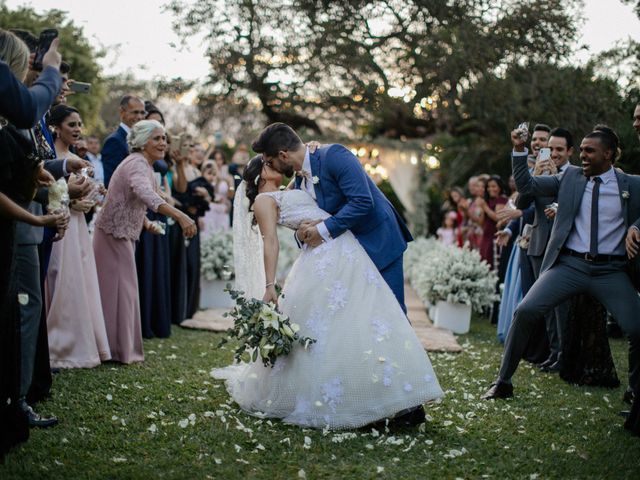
[593, 249]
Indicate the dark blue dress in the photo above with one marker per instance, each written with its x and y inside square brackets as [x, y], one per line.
[154, 275]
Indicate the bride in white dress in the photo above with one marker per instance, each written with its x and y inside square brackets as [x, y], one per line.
[367, 364]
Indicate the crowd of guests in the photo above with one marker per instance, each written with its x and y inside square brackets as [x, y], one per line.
[564, 243]
[100, 240]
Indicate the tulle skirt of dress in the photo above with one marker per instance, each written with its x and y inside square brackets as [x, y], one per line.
[367, 363]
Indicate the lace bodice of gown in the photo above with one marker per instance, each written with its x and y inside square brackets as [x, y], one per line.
[295, 206]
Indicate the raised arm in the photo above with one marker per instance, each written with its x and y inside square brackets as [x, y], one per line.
[23, 106]
[526, 184]
[354, 184]
[265, 210]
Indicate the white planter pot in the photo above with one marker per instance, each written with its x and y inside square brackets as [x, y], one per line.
[212, 294]
[453, 316]
[432, 311]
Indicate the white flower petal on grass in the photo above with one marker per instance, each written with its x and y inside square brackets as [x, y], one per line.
[217, 461]
[184, 423]
[379, 469]
[302, 473]
[59, 463]
[109, 397]
[118, 459]
[152, 428]
[307, 442]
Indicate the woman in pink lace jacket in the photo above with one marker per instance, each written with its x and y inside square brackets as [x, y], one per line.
[132, 190]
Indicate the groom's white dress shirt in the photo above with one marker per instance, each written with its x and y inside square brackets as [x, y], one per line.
[307, 185]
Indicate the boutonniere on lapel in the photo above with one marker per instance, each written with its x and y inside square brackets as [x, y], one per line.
[315, 180]
[625, 195]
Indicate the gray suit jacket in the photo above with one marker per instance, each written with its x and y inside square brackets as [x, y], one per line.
[568, 188]
[541, 224]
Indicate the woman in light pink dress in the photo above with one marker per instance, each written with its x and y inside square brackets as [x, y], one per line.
[132, 190]
[75, 323]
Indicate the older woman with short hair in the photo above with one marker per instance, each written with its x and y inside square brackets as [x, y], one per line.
[132, 190]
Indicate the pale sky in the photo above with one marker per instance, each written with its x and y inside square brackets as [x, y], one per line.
[139, 38]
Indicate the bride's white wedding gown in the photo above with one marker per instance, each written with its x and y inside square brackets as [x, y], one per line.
[367, 363]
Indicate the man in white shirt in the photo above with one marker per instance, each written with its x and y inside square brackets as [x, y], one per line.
[115, 147]
[598, 216]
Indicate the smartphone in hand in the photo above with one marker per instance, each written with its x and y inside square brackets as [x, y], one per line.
[545, 154]
[79, 87]
[44, 43]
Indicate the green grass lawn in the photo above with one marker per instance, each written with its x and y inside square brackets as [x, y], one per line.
[169, 419]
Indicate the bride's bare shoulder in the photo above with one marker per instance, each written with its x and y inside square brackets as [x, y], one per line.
[266, 201]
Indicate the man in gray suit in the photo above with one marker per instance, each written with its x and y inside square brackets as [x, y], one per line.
[598, 208]
[560, 142]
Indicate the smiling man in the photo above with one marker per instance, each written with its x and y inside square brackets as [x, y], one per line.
[599, 208]
[115, 147]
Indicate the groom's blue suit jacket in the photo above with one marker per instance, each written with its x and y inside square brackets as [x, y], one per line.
[344, 190]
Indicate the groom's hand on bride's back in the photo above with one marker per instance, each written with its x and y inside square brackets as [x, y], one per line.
[309, 234]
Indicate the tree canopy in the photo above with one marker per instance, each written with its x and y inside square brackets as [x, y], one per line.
[389, 67]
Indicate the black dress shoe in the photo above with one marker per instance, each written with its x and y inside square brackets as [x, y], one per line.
[408, 418]
[38, 421]
[547, 363]
[498, 390]
[553, 368]
[628, 396]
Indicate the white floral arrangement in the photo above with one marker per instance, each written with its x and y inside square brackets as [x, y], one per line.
[440, 272]
[263, 333]
[216, 256]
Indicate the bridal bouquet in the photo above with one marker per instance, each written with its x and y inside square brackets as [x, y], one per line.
[262, 331]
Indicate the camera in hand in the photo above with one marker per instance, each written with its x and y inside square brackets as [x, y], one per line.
[44, 43]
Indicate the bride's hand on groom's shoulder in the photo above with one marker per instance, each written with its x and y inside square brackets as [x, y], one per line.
[313, 146]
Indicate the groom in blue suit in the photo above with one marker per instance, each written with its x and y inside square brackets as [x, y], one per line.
[334, 177]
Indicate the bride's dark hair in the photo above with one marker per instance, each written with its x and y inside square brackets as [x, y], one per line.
[252, 178]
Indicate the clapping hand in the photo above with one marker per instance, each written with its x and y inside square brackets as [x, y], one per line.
[83, 205]
[75, 164]
[633, 242]
[44, 178]
[502, 238]
[507, 214]
[78, 187]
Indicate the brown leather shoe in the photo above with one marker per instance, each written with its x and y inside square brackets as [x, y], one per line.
[498, 390]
